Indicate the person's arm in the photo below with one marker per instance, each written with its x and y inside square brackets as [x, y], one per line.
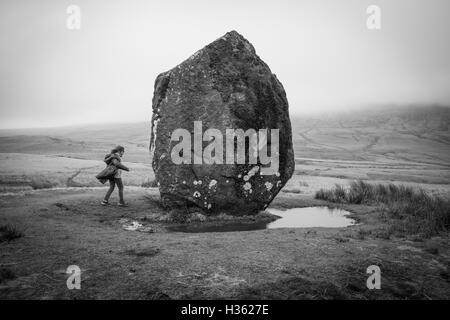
[108, 158]
[119, 165]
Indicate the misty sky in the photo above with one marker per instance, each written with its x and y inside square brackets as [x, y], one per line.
[320, 50]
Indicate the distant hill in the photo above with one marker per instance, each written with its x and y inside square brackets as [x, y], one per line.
[418, 134]
[402, 133]
[84, 142]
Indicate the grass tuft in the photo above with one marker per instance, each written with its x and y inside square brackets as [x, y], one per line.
[9, 232]
[149, 184]
[6, 274]
[41, 183]
[413, 210]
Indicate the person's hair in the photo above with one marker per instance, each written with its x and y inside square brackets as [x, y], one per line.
[118, 149]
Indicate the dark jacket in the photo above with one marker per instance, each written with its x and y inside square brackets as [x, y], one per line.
[113, 163]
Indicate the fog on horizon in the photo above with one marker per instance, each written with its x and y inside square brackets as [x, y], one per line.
[322, 52]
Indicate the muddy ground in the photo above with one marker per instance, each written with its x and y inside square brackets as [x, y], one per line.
[69, 227]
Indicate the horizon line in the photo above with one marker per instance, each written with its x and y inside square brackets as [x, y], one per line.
[292, 115]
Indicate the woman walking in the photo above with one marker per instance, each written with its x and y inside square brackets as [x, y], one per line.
[112, 173]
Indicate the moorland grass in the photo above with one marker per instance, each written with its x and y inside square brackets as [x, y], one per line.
[413, 211]
[9, 232]
[6, 274]
[149, 183]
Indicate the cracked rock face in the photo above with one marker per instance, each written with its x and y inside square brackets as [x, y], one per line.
[225, 85]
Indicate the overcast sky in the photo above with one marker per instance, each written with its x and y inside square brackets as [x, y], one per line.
[321, 51]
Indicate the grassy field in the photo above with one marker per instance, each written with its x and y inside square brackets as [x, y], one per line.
[389, 167]
[20, 172]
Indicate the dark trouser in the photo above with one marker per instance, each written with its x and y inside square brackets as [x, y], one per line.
[112, 184]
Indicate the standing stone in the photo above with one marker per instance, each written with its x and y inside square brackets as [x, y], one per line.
[226, 86]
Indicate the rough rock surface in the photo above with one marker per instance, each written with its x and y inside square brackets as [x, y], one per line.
[226, 86]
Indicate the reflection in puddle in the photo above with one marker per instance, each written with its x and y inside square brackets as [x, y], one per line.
[291, 218]
[310, 217]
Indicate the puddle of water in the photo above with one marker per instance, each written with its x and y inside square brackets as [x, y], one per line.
[130, 225]
[310, 217]
[133, 226]
[291, 218]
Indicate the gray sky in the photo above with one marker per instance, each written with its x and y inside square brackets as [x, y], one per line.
[321, 50]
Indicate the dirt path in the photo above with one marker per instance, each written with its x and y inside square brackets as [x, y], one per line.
[69, 227]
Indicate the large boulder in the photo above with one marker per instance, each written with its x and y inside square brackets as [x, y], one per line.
[223, 86]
